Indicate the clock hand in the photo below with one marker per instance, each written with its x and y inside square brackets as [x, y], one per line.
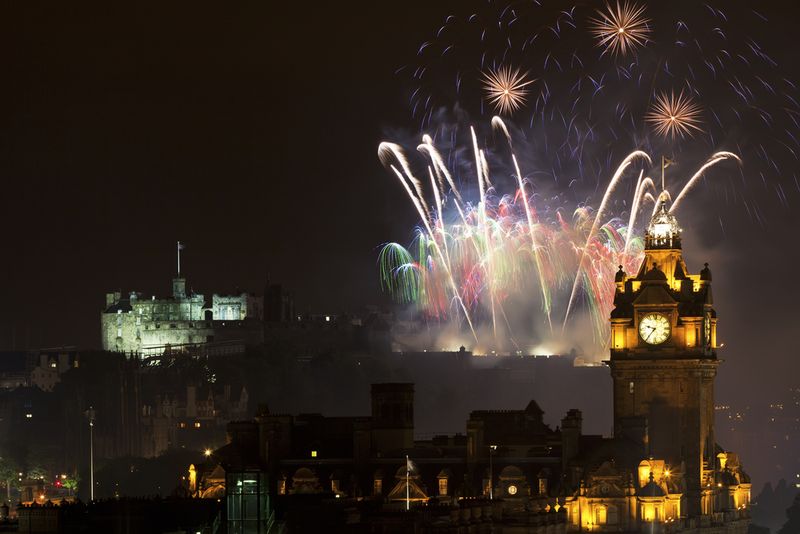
[652, 330]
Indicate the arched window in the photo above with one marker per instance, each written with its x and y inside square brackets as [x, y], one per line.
[600, 514]
[443, 486]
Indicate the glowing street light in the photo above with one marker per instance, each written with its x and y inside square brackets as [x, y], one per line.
[492, 448]
[90, 416]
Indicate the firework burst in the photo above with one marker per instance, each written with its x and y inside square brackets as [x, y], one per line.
[504, 249]
[673, 116]
[505, 88]
[469, 260]
[621, 29]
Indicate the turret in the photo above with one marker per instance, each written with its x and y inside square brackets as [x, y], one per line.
[571, 429]
[663, 230]
[179, 288]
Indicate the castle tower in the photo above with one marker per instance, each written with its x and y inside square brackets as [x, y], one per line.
[179, 288]
[663, 359]
[392, 417]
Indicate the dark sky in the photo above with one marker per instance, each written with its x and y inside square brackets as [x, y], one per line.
[246, 131]
[249, 131]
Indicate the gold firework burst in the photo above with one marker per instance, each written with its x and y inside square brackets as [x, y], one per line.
[673, 116]
[621, 29]
[505, 88]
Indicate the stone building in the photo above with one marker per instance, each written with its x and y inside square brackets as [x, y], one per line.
[191, 417]
[302, 461]
[134, 324]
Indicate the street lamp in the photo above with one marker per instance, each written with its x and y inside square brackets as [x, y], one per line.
[90, 416]
[492, 448]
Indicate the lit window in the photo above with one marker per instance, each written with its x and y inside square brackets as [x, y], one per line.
[53, 365]
[29, 415]
[377, 486]
[443, 486]
[197, 424]
[181, 425]
[601, 517]
[327, 318]
[630, 388]
[313, 454]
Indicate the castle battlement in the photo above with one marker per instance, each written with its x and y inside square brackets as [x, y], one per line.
[137, 325]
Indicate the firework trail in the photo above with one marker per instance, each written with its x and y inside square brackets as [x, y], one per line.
[682, 82]
[684, 79]
[581, 271]
[479, 255]
[383, 152]
[713, 160]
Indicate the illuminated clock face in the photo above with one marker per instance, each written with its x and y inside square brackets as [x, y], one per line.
[512, 490]
[654, 328]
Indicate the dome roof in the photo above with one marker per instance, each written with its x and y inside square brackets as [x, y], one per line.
[651, 489]
[663, 230]
[705, 273]
[655, 274]
[511, 472]
[304, 474]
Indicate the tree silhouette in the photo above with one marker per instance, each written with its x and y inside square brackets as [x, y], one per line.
[792, 525]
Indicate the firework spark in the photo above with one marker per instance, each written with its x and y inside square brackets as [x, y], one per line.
[520, 233]
[673, 116]
[622, 29]
[471, 262]
[505, 88]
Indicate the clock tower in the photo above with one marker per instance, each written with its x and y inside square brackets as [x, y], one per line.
[663, 360]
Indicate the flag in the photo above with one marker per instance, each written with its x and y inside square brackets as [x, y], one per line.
[667, 161]
[181, 246]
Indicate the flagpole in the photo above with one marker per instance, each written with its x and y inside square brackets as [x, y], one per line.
[179, 257]
[408, 492]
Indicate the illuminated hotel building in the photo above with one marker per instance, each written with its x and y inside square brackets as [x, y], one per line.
[663, 364]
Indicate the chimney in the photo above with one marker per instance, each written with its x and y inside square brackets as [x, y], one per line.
[571, 429]
[392, 417]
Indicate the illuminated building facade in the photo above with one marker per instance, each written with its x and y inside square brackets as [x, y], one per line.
[663, 468]
[137, 325]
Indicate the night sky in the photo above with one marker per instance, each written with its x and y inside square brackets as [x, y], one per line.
[249, 132]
